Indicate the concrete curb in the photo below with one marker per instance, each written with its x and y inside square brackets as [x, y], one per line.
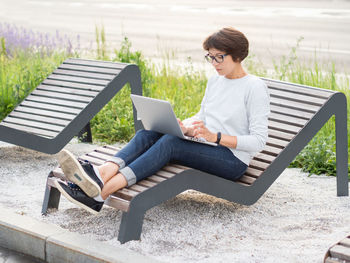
[51, 243]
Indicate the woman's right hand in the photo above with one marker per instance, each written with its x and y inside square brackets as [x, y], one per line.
[189, 131]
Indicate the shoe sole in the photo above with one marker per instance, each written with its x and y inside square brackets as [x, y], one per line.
[58, 186]
[75, 173]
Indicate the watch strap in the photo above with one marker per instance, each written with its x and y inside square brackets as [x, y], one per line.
[218, 137]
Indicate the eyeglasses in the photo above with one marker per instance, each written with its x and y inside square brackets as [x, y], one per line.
[217, 58]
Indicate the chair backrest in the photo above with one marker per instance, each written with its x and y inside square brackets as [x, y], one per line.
[292, 107]
[65, 102]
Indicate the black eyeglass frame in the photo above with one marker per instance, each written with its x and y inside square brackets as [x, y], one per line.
[218, 58]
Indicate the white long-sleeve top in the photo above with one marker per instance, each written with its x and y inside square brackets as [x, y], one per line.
[237, 107]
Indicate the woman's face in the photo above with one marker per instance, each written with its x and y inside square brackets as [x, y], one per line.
[227, 67]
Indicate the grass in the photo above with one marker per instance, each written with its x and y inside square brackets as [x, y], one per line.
[21, 73]
[22, 70]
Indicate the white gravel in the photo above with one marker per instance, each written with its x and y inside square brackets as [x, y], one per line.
[296, 220]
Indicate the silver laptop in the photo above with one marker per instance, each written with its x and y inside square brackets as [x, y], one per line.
[158, 115]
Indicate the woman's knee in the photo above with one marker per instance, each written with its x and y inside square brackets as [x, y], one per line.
[170, 140]
[147, 134]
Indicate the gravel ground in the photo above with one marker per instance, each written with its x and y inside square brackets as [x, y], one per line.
[296, 220]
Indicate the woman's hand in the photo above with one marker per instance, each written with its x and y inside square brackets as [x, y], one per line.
[186, 130]
[200, 131]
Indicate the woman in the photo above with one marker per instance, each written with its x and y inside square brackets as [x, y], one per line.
[234, 114]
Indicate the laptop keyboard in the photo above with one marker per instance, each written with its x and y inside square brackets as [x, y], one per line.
[196, 139]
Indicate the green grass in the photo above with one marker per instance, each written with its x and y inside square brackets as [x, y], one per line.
[21, 73]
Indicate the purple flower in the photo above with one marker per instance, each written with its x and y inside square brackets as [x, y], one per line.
[28, 40]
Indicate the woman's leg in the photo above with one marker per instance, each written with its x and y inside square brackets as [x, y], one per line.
[217, 160]
[140, 143]
[114, 184]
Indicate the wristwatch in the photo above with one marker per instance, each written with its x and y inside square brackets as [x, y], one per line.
[218, 137]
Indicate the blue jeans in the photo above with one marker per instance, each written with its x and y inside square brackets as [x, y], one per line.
[149, 151]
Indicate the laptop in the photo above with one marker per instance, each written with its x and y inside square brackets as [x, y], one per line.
[158, 115]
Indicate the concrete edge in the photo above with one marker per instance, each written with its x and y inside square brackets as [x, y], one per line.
[51, 243]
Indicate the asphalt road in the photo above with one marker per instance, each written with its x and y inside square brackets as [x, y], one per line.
[159, 27]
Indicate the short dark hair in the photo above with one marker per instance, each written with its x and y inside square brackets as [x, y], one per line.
[229, 40]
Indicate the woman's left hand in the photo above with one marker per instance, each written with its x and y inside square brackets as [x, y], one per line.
[200, 131]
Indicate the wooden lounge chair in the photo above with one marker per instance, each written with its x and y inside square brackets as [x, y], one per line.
[64, 103]
[297, 113]
[339, 253]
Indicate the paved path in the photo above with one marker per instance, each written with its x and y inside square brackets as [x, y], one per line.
[160, 26]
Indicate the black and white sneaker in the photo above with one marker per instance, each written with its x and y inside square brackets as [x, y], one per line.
[77, 196]
[80, 173]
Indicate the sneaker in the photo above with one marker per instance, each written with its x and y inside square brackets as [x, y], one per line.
[80, 173]
[78, 197]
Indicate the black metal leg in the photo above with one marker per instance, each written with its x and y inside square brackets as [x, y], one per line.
[131, 226]
[51, 198]
[342, 147]
[85, 134]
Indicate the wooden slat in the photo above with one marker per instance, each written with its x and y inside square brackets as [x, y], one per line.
[43, 106]
[68, 84]
[33, 124]
[165, 174]
[86, 93]
[45, 113]
[99, 155]
[247, 179]
[180, 166]
[294, 105]
[156, 179]
[253, 172]
[92, 160]
[64, 96]
[58, 172]
[340, 252]
[116, 149]
[277, 117]
[126, 194]
[40, 132]
[291, 112]
[172, 169]
[94, 63]
[280, 135]
[345, 242]
[276, 142]
[79, 80]
[297, 89]
[284, 127]
[264, 157]
[49, 120]
[58, 102]
[84, 74]
[91, 69]
[137, 188]
[334, 260]
[258, 165]
[106, 151]
[297, 97]
[271, 150]
[118, 203]
[146, 183]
